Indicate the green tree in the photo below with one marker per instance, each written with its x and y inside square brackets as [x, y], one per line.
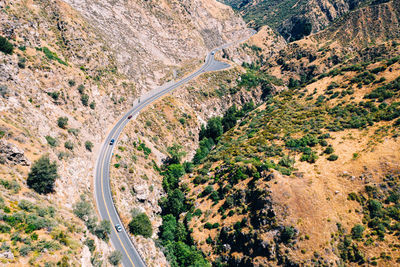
[168, 228]
[51, 141]
[43, 175]
[357, 231]
[141, 225]
[214, 128]
[189, 256]
[62, 122]
[375, 208]
[229, 119]
[5, 46]
[287, 233]
[69, 145]
[172, 175]
[175, 154]
[115, 258]
[175, 203]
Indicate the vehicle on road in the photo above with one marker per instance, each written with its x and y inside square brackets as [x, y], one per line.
[118, 228]
[129, 117]
[112, 142]
[213, 53]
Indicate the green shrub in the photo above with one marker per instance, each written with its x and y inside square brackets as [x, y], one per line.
[81, 88]
[310, 157]
[51, 55]
[197, 212]
[85, 99]
[5, 46]
[69, 145]
[24, 250]
[286, 161]
[328, 150]
[213, 130]
[287, 234]
[357, 231]
[92, 105]
[4, 228]
[115, 258]
[25, 205]
[333, 157]
[73, 131]
[146, 150]
[62, 122]
[141, 225]
[208, 226]
[378, 69]
[13, 185]
[71, 83]
[42, 176]
[208, 190]
[89, 146]
[90, 244]
[51, 141]
[175, 154]
[375, 208]
[103, 230]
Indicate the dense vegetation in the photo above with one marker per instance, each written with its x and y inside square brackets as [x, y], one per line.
[237, 152]
[381, 211]
[174, 233]
[22, 224]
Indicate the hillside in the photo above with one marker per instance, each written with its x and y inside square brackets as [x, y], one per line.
[65, 77]
[309, 175]
[290, 157]
[291, 18]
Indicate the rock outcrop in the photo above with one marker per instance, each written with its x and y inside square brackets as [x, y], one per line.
[11, 154]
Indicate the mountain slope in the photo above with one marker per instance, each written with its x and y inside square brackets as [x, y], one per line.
[65, 83]
[157, 37]
[293, 19]
[310, 176]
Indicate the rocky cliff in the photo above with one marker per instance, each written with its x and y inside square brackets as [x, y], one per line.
[153, 38]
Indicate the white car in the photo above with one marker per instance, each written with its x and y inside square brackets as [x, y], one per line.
[118, 228]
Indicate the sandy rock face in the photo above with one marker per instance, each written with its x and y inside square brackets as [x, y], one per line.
[11, 154]
[151, 37]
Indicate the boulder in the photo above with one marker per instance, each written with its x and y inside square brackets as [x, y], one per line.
[11, 154]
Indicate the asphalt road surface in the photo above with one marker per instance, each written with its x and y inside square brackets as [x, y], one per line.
[104, 200]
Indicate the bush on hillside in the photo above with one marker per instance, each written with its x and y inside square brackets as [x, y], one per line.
[115, 257]
[141, 225]
[43, 175]
[62, 122]
[89, 145]
[5, 46]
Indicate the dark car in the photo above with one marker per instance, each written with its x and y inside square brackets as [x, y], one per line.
[129, 117]
[112, 142]
[118, 228]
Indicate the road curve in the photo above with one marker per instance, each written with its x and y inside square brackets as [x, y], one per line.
[103, 197]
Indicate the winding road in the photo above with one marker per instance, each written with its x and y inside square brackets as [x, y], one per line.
[103, 197]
